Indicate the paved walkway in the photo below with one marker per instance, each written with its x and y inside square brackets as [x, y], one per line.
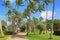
[19, 36]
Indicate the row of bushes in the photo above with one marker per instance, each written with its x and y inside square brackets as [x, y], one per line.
[56, 32]
[9, 32]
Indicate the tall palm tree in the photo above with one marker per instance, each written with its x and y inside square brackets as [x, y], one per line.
[27, 13]
[17, 18]
[51, 36]
[35, 21]
[47, 2]
[7, 4]
[46, 15]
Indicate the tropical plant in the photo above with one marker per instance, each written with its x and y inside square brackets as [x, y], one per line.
[41, 27]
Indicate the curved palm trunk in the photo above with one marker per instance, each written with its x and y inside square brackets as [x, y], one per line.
[29, 26]
[34, 30]
[40, 17]
[51, 34]
[27, 29]
[1, 32]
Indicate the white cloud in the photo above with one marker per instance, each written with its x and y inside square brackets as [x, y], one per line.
[0, 16]
[43, 14]
[12, 1]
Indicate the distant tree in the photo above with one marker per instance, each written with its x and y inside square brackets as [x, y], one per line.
[41, 19]
[56, 24]
[4, 25]
[41, 27]
[35, 22]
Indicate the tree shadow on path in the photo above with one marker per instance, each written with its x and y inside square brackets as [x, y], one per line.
[18, 36]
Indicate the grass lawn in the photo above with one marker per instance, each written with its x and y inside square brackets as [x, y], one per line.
[42, 37]
[4, 38]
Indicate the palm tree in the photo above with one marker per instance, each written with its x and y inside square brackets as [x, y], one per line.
[40, 9]
[46, 18]
[17, 17]
[27, 13]
[47, 2]
[51, 36]
[46, 15]
[35, 21]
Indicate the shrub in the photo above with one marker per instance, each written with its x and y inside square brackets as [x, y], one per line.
[41, 27]
[8, 32]
[56, 32]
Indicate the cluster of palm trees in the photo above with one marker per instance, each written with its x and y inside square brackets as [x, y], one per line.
[15, 17]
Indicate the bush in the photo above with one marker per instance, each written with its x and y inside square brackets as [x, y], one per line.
[22, 28]
[56, 32]
[41, 27]
[8, 32]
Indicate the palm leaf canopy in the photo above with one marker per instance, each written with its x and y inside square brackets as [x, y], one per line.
[27, 13]
[41, 8]
[32, 7]
[7, 4]
[19, 2]
[48, 1]
[37, 1]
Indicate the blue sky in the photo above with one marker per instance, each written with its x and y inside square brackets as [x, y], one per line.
[4, 10]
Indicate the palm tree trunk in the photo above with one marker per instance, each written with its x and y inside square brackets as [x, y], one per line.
[51, 34]
[46, 17]
[27, 29]
[1, 32]
[34, 30]
[29, 26]
[40, 17]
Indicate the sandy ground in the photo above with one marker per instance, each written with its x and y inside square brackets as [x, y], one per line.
[19, 36]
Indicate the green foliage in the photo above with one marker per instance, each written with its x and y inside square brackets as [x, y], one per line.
[41, 8]
[14, 16]
[48, 1]
[31, 36]
[56, 24]
[7, 4]
[22, 28]
[4, 25]
[41, 26]
[37, 1]
[4, 38]
[19, 2]
[8, 32]
[35, 21]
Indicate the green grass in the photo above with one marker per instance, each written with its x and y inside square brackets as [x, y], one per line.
[4, 38]
[42, 37]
